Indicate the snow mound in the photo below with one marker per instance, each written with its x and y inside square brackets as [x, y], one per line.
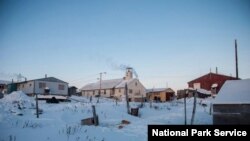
[17, 98]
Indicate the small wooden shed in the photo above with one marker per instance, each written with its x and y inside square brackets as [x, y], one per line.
[160, 94]
[232, 104]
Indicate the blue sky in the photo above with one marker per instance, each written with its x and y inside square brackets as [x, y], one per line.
[168, 42]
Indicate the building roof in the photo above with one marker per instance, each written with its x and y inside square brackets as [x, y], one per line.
[47, 79]
[212, 74]
[203, 91]
[124, 82]
[105, 84]
[72, 87]
[50, 79]
[108, 84]
[234, 92]
[159, 90]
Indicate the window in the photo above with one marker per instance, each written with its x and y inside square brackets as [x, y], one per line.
[30, 84]
[197, 85]
[60, 87]
[119, 90]
[104, 91]
[23, 85]
[130, 91]
[42, 85]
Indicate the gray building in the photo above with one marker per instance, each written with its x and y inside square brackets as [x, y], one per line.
[47, 85]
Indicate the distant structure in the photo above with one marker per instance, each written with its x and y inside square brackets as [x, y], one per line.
[46, 85]
[210, 82]
[3, 86]
[72, 90]
[160, 94]
[115, 88]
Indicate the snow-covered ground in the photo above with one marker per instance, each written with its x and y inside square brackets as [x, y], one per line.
[61, 121]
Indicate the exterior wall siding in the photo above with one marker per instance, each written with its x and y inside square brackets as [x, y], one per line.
[53, 86]
[137, 88]
[163, 96]
[231, 114]
[208, 80]
[27, 88]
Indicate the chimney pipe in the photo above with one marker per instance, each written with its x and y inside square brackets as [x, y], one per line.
[216, 70]
[236, 59]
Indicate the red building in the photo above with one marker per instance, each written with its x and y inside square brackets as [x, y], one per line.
[211, 82]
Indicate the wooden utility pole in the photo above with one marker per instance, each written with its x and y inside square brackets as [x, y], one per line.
[194, 108]
[236, 59]
[142, 99]
[127, 100]
[37, 109]
[185, 109]
[100, 86]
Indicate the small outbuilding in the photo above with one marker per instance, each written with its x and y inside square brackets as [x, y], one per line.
[160, 94]
[72, 90]
[232, 104]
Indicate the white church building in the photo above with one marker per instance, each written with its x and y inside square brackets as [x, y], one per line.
[115, 88]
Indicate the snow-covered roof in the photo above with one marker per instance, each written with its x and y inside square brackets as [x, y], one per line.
[214, 85]
[155, 90]
[47, 79]
[203, 91]
[234, 92]
[124, 82]
[159, 90]
[105, 84]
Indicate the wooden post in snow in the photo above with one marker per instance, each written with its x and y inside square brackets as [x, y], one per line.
[96, 122]
[116, 100]
[142, 100]
[127, 100]
[210, 109]
[194, 108]
[236, 59]
[185, 109]
[37, 109]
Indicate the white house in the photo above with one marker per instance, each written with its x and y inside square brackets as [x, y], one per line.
[115, 88]
[47, 85]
